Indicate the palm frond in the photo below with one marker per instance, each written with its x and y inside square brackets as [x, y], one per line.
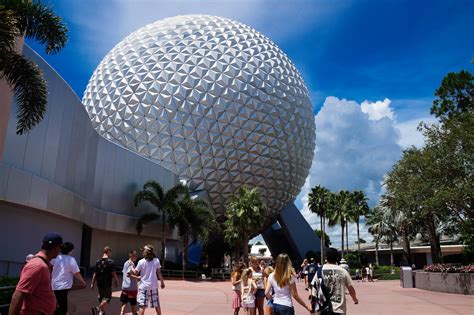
[156, 188]
[38, 21]
[144, 219]
[146, 195]
[30, 89]
[8, 30]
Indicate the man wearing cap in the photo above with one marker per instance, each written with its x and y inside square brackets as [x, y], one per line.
[33, 293]
[149, 269]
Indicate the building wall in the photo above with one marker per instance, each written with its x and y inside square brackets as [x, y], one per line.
[63, 168]
[24, 231]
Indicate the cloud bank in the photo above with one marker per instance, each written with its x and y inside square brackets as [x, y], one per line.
[356, 144]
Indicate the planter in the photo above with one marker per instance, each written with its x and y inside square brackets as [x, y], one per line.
[458, 283]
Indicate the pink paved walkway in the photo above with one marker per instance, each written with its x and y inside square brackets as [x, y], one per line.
[204, 298]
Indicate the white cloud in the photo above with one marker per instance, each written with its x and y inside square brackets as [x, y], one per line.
[409, 135]
[377, 110]
[355, 147]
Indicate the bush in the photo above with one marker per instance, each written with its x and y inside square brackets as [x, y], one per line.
[388, 276]
[6, 295]
[449, 268]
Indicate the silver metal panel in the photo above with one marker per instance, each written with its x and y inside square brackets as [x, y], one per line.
[39, 193]
[55, 109]
[35, 146]
[64, 147]
[212, 100]
[14, 151]
[19, 185]
[4, 174]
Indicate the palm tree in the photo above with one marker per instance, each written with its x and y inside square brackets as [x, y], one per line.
[359, 208]
[245, 217]
[164, 202]
[31, 19]
[374, 221]
[193, 220]
[318, 203]
[339, 213]
[383, 229]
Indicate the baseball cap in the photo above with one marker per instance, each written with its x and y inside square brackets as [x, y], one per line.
[52, 239]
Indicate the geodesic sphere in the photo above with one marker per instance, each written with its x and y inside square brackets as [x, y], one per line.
[212, 100]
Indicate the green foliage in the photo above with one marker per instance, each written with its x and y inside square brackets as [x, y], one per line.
[6, 295]
[33, 20]
[164, 202]
[245, 217]
[352, 260]
[327, 239]
[455, 95]
[389, 276]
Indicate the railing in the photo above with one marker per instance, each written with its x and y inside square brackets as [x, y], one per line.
[10, 268]
[220, 273]
[5, 296]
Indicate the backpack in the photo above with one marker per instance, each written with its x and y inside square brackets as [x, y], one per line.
[321, 295]
[311, 271]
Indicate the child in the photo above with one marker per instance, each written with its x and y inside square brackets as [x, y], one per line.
[268, 305]
[129, 284]
[357, 274]
[236, 287]
[248, 289]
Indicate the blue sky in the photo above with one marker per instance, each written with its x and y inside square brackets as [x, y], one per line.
[391, 54]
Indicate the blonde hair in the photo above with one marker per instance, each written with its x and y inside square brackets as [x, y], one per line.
[246, 274]
[267, 271]
[283, 270]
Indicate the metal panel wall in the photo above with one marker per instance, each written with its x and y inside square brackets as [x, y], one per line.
[63, 166]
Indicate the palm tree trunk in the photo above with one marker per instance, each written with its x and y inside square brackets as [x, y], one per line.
[347, 237]
[322, 239]
[237, 252]
[163, 241]
[246, 250]
[377, 252]
[342, 239]
[358, 240]
[436, 254]
[406, 249]
[391, 254]
[185, 252]
[324, 233]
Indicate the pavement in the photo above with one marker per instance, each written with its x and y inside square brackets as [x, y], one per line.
[213, 298]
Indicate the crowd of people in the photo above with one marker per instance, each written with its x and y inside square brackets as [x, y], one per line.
[49, 275]
[270, 290]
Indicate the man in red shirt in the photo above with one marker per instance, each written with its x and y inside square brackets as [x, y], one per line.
[33, 293]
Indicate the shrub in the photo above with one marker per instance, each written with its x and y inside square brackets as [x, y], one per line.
[449, 268]
[388, 276]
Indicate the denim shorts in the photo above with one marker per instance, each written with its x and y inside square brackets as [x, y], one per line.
[282, 310]
[260, 293]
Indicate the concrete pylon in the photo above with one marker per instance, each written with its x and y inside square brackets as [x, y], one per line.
[291, 234]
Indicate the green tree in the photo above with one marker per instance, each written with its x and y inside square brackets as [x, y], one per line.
[38, 21]
[319, 202]
[245, 217]
[327, 239]
[374, 220]
[455, 95]
[340, 213]
[359, 207]
[194, 222]
[165, 202]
